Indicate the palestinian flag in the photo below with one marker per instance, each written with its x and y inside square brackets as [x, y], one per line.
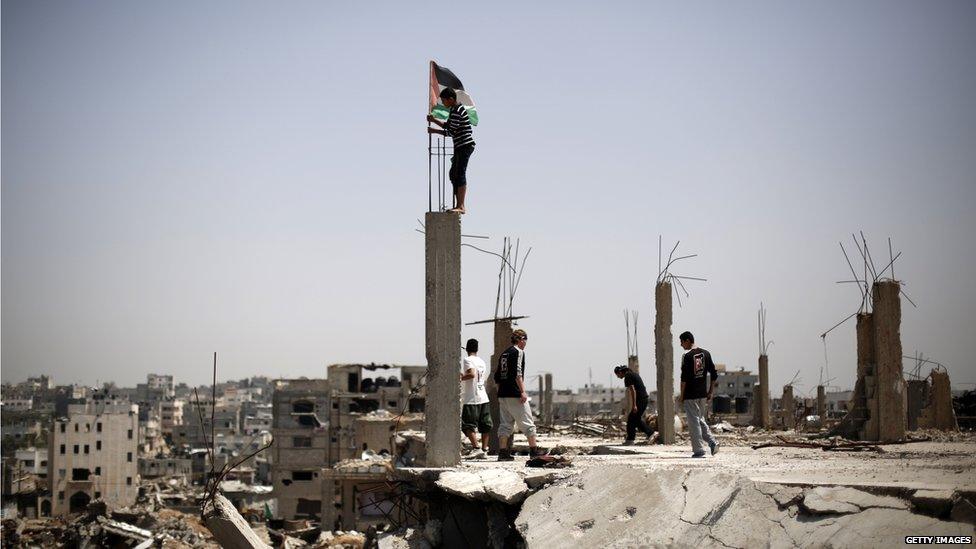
[440, 78]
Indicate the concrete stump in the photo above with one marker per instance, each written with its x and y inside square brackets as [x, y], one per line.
[938, 413]
[789, 408]
[228, 526]
[443, 316]
[664, 361]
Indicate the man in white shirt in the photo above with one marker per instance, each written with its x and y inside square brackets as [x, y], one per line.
[475, 412]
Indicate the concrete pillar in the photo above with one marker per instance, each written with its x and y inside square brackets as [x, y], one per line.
[763, 407]
[865, 345]
[634, 364]
[443, 406]
[789, 408]
[664, 360]
[865, 405]
[918, 394]
[548, 400]
[890, 383]
[541, 402]
[328, 501]
[822, 403]
[502, 341]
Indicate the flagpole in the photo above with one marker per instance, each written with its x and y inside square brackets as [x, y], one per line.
[430, 141]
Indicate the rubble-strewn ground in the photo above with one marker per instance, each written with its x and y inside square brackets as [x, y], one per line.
[918, 465]
[629, 496]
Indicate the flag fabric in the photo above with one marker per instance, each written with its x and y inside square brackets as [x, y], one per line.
[440, 78]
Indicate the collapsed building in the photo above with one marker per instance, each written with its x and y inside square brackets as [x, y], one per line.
[318, 423]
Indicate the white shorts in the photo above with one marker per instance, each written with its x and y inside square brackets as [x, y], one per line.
[515, 415]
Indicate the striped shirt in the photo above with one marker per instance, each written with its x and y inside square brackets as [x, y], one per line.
[459, 127]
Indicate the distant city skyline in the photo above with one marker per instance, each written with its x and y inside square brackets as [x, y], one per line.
[245, 178]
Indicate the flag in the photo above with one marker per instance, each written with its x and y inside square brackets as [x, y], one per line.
[440, 78]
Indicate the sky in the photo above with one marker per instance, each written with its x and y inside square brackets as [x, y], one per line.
[180, 178]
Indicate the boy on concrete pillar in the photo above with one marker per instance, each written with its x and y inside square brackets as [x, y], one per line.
[636, 404]
[513, 402]
[696, 393]
[458, 127]
[475, 411]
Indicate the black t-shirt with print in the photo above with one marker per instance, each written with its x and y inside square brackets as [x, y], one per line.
[694, 366]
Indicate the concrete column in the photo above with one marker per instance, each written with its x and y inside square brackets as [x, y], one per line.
[789, 408]
[865, 345]
[763, 407]
[939, 408]
[664, 360]
[541, 403]
[502, 341]
[822, 403]
[548, 400]
[918, 394]
[890, 383]
[865, 404]
[634, 364]
[328, 501]
[443, 406]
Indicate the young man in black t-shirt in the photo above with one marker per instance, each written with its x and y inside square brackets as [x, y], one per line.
[513, 402]
[636, 404]
[696, 393]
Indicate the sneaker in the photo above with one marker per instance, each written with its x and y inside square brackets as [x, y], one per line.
[505, 455]
[698, 455]
[476, 454]
[714, 447]
[628, 443]
[651, 437]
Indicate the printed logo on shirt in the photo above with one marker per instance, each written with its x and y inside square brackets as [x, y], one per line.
[699, 365]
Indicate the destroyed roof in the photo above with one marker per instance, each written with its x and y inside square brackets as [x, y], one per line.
[236, 486]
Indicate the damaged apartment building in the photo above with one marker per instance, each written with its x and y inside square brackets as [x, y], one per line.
[93, 454]
[325, 421]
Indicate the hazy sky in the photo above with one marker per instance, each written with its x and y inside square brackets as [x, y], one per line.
[245, 177]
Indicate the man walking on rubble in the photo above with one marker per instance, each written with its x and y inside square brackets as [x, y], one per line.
[475, 410]
[513, 402]
[696, 393]
[636, 404]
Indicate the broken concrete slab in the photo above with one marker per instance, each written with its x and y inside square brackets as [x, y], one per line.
[782, 494]
[621, 506]
[539, 478]
[229, 527]
[936, 503]
[485, 485]
[815, 503]
[825, 500]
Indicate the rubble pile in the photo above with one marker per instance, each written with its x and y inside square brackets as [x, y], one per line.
[98, 527]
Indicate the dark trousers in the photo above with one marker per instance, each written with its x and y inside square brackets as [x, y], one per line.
[459, 166]
[635, 421]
